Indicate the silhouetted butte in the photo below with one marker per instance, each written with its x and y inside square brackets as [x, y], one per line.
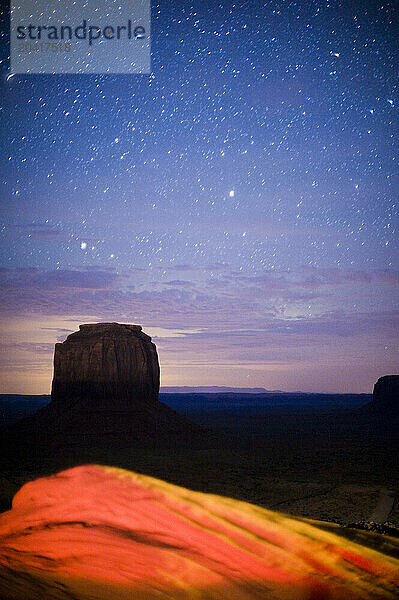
[104, 397]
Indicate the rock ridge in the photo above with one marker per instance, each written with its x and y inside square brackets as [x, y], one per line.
[100, 532]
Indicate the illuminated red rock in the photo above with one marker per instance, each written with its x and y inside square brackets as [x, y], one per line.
[102, 533]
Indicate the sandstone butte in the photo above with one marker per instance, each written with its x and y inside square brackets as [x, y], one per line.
[103, 533]
[105, 395]
[109, 363]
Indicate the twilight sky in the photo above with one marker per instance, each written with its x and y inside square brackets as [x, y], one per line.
[238, 203]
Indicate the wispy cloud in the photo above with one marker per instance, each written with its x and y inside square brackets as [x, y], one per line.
[34, 279]
[42, 232]
[279, 318]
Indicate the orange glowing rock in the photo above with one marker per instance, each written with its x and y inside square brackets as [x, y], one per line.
[102, 533]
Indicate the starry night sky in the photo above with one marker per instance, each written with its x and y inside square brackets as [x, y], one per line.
[238, 203]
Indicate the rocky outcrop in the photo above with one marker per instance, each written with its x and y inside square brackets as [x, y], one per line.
[386, 395]
[104, 402]
[99, 532]
[109, 364]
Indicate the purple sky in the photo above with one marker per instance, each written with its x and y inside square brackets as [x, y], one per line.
[238, 203]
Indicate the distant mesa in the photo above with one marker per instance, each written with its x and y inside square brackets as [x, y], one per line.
[386, 395]
[213, 389]
[100, 532]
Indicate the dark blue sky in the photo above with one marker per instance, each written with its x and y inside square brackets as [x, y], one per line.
[239, 202]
